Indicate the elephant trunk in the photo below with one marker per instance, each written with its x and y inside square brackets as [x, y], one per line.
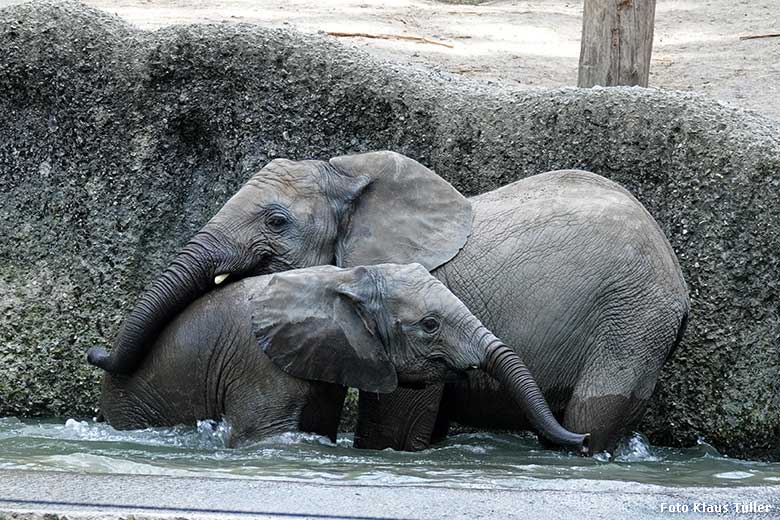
[189, 275]
[505, 365]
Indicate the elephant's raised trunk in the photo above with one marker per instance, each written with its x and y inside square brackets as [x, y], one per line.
[189, 275]
[506, 366]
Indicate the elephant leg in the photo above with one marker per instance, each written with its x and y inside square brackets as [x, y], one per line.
[403, 420]
[612, 392]
[249, 422]
[272, 403]
[322, 412]
[607, 418]
[441, 427]
[479, 401]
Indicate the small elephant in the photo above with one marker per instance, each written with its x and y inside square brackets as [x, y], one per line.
[566, 266]
[273, 353]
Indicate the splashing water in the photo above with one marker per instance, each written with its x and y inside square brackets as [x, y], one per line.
[214, 432]
[471, 460]
[635, 448]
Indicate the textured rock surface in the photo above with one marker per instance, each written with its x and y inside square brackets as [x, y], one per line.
[116, 144]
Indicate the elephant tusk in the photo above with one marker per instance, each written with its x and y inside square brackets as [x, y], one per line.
[220, 278]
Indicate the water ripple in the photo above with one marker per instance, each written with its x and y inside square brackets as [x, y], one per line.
[465, 460]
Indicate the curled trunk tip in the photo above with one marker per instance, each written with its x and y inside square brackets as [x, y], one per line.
[505, 365]
[97, 356]
[187, 277]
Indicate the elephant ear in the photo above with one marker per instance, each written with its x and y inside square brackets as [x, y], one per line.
[312, 328]
[406, 214]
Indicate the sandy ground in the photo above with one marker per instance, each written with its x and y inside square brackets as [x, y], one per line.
[525, 43]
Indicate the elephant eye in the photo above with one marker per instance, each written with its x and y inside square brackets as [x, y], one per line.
[429, 324]
[277, 222]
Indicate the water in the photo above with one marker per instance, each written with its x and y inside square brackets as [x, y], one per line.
[472, 460]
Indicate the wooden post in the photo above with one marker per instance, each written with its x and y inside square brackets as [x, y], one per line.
[617, 42]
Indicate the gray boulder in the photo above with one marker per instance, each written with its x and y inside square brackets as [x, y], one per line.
[117, 144]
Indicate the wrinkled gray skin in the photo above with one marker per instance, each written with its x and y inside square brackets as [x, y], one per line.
[579, 278]
[566, 266]
[273, 353]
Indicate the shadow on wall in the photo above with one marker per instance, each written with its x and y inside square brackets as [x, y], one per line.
[117, 144]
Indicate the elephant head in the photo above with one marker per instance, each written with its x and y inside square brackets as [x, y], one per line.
[376, 327]
[352, 210]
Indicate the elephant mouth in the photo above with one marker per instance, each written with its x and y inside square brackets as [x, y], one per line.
[430, 372]
[456, 376]
[227, 276]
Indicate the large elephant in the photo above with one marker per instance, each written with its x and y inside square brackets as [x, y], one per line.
[273, 353]
[566, 266]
